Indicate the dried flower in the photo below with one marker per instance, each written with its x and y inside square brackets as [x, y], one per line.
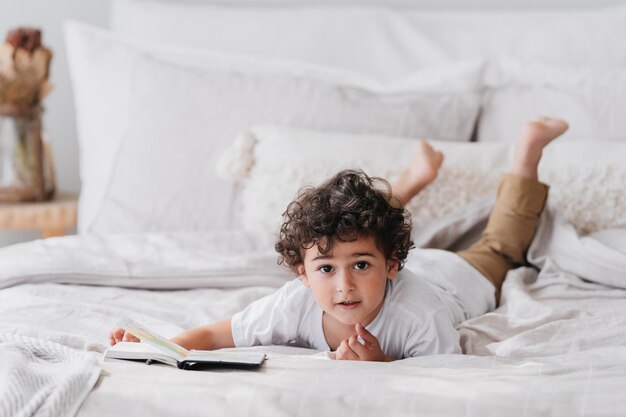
[24, 69]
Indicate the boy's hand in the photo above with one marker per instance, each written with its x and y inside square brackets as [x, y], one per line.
[352, 350]
[121, 335]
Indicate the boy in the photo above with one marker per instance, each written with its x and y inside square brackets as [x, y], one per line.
[348, 240]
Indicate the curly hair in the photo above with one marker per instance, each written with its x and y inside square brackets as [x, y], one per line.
[347, 206]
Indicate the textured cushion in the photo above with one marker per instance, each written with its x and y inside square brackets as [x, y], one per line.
[591, 99]
[272, 163]
[181, 117]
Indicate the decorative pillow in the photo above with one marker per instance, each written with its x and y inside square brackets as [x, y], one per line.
[591, 99]
[383, 41]
[271, 164]
[151, 129]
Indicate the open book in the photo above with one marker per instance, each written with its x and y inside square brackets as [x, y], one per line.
[154, 347]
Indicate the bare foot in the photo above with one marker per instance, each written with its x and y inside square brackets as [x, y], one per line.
[535, 136]
[422, 170]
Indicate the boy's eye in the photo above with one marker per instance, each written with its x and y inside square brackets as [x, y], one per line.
[361, 265]
[325, 269]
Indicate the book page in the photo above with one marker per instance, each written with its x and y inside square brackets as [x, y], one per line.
[156, 340]
[139, 351]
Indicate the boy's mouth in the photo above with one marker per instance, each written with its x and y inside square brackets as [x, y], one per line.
[349, 304]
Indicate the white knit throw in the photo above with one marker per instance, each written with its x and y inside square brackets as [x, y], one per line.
[40, 378]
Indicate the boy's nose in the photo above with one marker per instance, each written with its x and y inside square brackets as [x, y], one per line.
[345, 283]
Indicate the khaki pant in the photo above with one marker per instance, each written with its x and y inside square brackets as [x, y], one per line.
[511, 227]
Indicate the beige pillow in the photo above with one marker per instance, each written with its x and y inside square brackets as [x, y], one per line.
[272, 163]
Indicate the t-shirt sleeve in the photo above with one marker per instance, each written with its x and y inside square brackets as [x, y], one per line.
[435, 336]
[271, 320]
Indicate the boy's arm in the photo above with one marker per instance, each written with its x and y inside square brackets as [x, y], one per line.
[209, 337]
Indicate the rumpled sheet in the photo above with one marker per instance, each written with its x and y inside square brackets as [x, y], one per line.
[554, 347]
[572, 299]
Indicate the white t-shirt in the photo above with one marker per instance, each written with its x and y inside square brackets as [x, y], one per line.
[433, 293]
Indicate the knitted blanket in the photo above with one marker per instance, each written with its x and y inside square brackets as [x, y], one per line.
[40, 378]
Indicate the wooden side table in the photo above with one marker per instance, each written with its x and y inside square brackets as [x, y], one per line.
[52, 217]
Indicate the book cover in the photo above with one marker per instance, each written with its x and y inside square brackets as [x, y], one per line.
[154, 347]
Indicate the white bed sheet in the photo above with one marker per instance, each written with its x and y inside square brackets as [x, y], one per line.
[435, 386]
[555, 347]
[297, 381]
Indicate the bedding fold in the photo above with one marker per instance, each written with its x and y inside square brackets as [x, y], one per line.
[151, 260]
[591, 257]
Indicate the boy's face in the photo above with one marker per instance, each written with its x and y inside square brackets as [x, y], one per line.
[349, 282]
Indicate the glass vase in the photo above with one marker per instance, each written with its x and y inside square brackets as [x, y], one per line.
[22, 159]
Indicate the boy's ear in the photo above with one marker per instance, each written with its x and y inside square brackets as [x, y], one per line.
[302, 276]
[392, 268]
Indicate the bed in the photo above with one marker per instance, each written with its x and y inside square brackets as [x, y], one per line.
[198, 123]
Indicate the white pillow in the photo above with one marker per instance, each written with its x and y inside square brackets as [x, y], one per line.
[384, 42]
[149, 166]
[101, 66]
[591, 99]
[587, 181]
[182, 118]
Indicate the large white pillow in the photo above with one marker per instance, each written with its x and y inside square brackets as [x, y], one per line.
[383, 42]
[272, 163]
[591, 99]
[181, 118]
[101, 66]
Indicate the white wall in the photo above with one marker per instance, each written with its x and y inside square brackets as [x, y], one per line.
[59, 120]
[49, 15]
[434, 4]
